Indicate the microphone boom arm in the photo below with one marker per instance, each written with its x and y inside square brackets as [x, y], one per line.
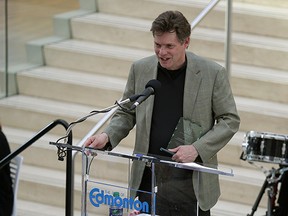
[92, 113]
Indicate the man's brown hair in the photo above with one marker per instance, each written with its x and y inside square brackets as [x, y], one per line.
[172, 21]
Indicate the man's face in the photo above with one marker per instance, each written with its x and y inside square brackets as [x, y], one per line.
[168, 49]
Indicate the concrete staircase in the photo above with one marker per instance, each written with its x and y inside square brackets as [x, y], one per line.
[89, 71]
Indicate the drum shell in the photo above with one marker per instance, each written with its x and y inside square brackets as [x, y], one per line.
[265, 147]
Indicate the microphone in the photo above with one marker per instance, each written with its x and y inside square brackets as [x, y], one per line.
[150, 89]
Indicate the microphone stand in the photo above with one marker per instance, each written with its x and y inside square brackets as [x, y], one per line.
[94, 112]
[149, 89]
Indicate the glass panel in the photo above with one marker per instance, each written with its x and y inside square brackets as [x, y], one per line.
[108, 188]
[107, 191]
[27, 20]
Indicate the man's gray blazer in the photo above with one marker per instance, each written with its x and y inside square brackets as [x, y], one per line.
[208, 100]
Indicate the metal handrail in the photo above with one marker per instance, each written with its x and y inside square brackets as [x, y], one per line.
[204, 13]
[228, 19]
[69, 164]
[228, 23]
[6, 50]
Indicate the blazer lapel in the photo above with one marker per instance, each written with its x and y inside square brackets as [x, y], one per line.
[150, 103]
[192, 83]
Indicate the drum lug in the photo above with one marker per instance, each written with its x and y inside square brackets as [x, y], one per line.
[244, 149]
[283, 150]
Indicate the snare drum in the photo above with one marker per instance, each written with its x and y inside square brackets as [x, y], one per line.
[265, 147]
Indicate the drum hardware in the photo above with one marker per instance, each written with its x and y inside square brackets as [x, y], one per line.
[269, 148]
[273, 177]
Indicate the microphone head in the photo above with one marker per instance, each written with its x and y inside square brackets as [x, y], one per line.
[155, 84]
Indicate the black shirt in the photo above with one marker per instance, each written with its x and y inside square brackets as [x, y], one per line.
[175, 188]
[168, 107]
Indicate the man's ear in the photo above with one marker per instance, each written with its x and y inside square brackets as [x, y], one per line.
[187, 42]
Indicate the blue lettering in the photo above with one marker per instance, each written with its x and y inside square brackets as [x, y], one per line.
[145, 207]
[118, 201]
[108, 199]
[128, 203]
[137, 205]
[91, 196]
[98, 198]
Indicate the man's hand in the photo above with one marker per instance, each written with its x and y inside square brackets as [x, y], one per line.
[184, 153]
[97, 141]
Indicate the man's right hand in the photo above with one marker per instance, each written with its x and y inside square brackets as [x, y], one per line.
[97, 141]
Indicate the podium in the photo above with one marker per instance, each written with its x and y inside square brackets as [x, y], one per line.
[105, 173]
[114, 175]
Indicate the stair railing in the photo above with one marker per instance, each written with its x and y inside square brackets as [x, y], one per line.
[69, 164]
[228, 24]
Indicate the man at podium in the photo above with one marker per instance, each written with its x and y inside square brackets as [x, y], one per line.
[195, 97]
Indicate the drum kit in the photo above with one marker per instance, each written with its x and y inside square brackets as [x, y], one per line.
[268, 148]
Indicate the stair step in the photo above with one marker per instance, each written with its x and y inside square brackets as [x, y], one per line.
[34, 153]
[66, 85]
[226, 208]
[267, 19]
[115, 30]
[34, 113]
[249, 81]
[277, 3]
[250, 49]
[259, 83]
[263, 116]
[29, 208]
[244, 186]
[44, 185]
[222, 208]
[16, 111]
[87, 56]
[48, 186]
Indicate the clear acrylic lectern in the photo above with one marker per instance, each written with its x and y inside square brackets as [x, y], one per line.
[110, 172]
